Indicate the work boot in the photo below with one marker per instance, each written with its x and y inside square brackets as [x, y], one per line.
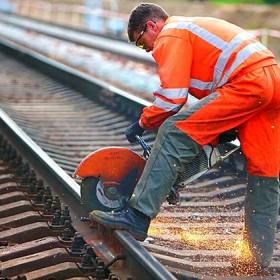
[131, 220]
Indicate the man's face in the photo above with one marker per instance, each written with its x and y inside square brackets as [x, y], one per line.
[146, 38]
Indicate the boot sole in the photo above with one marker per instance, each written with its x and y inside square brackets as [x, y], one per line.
[94, 220]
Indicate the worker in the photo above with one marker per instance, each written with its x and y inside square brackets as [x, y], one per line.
[237, 83]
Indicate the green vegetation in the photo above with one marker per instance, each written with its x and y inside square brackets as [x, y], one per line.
[237, 1]
[244, 1]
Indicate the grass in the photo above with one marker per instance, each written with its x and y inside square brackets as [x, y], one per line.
[237, 1]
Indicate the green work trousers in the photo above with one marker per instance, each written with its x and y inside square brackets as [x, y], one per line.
[261, 213]
[172, 150]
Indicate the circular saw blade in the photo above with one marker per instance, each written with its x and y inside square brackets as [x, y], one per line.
[96, 196]
[109, 176]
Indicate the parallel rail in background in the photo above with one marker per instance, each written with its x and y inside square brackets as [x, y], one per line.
[81, 37]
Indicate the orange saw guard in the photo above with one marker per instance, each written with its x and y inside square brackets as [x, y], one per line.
[111, 165]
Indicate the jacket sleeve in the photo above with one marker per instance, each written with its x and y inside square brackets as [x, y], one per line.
[173, 56]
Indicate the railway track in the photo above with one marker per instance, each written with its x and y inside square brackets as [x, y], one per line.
[66, 115]
[35, 103]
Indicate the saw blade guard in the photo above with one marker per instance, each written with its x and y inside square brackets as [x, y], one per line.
[109, 176]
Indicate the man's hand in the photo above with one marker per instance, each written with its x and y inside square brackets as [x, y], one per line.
[132, 131]
[228, 136]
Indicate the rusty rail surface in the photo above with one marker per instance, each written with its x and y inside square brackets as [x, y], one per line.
[39, 238]
[67, 115]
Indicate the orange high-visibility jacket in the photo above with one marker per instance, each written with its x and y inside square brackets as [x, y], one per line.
[198, 55]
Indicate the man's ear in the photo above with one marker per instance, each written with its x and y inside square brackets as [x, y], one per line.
[152, 25]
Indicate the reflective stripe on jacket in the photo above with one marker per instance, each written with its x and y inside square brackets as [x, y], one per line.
[197, 55]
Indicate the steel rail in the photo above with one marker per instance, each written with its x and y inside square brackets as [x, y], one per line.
[35, 153]
[97, 41]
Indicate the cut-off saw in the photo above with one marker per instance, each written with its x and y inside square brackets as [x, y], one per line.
[109, 175]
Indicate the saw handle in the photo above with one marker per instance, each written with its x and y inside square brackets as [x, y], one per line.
[146, 147]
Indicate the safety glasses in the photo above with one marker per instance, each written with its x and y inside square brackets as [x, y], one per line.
[138, 42]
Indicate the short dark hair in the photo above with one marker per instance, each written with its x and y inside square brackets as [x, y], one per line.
[141, 14]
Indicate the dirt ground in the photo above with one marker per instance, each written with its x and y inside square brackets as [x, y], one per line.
[247, 16]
